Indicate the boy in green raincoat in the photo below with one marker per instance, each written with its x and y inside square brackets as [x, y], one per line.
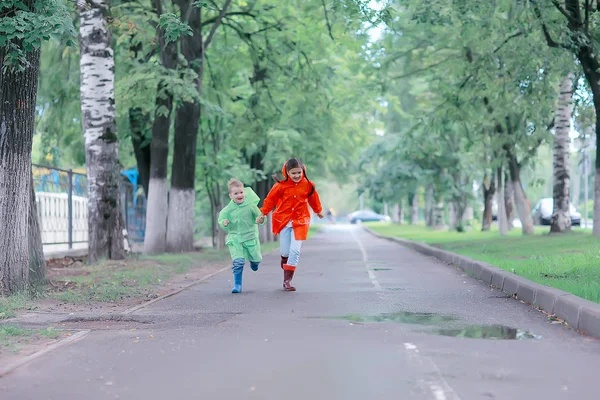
[238, 219]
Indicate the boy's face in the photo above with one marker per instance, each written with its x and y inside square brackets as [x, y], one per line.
[237, 194]
[295, 174]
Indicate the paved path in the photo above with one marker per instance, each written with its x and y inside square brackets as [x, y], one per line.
[206, 343]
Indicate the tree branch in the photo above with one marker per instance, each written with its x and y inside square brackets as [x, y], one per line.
[507, 40]
[227, 15]
[327, 20]
[216, 24]
[465, 82]
[549, 40]
[564, 12]
[424, 68]
[587, 17]
[531, 152]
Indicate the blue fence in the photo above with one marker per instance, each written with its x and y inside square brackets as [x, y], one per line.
[74, 183]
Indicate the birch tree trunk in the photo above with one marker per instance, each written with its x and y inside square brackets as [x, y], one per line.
[18, 93]
[561, 218]
[157, 208]
[100, 131]
[414, 210]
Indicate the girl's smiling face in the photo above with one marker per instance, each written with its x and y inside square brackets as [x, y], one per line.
[295, 174]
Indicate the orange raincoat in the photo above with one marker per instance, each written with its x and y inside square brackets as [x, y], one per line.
[292, 200]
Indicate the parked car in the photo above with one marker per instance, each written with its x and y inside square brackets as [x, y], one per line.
[366, 216]
[542, 213]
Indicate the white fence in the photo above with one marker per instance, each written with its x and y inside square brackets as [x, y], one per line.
[53, 212]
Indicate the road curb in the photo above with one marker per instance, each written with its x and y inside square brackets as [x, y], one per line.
[583, 315]
[164, 296]
[61, 343]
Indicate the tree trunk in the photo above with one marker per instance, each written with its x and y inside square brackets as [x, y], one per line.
[401, 211]
[591, 69]
[438, 216]
[429, 206]
[414, 212]
[521, 200]
[100, 131]
[158, 188]
[502, 219]
[182, 197]
[261, 188]
[458, 207]
[452, 215]
[489, 189]
[141, 137]
[561, 217]
[37, 263]
[396, 213]
[17, 115]
[509, 202]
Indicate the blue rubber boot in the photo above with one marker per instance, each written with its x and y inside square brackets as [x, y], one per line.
[254, 265]
[238, 269]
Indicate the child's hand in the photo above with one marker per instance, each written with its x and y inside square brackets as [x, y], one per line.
[226, 222]
[320, 215]
[260, 219]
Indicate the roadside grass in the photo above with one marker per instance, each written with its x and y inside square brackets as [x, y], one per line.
[567, 261]
[14, 338]
[110, 281]
[8, 305]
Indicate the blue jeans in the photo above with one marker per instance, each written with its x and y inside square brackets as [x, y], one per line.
[290, 247]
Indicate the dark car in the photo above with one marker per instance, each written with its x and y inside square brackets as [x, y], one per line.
[542, 213]
[367, 216]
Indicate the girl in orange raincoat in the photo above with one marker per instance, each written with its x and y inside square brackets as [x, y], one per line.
[291, 219]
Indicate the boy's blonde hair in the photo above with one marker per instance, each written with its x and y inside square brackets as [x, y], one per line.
[234, 183]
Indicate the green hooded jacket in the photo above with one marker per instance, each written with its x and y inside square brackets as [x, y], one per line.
[242, 231]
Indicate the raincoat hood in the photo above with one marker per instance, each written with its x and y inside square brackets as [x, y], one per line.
[285, 173]
[250, 198]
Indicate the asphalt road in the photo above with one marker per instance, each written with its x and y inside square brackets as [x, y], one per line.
[370, 320]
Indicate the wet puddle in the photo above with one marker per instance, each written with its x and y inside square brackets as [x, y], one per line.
[498, 332]
[446, 325]
[400, 318]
